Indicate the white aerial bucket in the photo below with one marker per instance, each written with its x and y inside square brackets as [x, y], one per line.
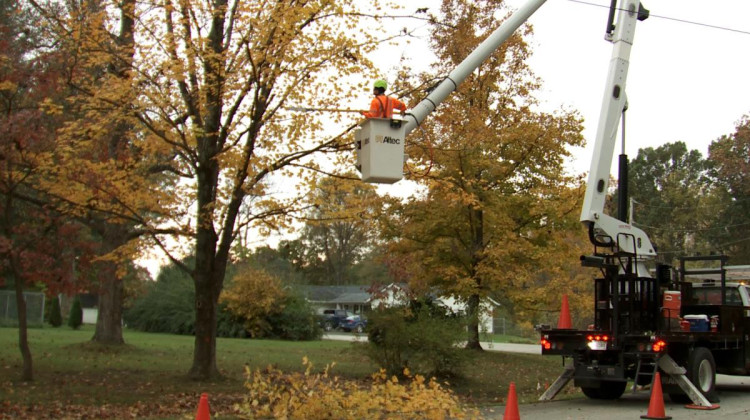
[380, 150]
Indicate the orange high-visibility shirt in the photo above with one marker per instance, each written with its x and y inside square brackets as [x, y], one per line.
[382, 107]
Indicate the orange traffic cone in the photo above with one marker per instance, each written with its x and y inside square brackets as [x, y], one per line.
[203, 413]
[564, 322]
[511, 406]
[656, 405]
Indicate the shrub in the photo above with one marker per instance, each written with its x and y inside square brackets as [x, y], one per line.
[296, 320]
[168, 305]
[251, 305]
[55, 315]
[75, 319]
[252, 295]
[417, 337]
[258, 299]
[274, 394]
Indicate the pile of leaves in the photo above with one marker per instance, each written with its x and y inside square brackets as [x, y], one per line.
[274, 394]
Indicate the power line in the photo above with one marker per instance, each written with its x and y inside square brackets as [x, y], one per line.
[696, 207]
[671, 229]
[706, 25]
[703, 248]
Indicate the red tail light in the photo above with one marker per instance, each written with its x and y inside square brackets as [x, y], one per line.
[599, 337]
[598, 341]
[659, 346]
[546, 344]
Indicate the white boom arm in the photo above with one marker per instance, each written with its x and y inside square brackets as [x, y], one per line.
[626, 237]
[470, 63]
[380, 142]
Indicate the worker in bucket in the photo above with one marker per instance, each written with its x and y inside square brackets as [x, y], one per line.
[382, 106]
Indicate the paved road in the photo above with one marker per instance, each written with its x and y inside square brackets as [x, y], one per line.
[734, 392]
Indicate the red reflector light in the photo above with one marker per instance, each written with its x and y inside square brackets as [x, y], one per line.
[597, 337]
[546, 344]
[659, 346]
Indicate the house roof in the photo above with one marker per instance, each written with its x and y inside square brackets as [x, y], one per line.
[332, 293]
[361, 297]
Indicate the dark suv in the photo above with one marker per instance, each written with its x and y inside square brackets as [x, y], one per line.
[331, 319]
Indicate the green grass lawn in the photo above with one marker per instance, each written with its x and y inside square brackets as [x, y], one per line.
[151, 371]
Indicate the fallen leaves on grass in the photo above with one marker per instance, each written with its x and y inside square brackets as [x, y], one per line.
[178, 405]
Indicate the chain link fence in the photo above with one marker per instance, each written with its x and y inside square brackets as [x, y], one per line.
[9, 309]
[506, 326]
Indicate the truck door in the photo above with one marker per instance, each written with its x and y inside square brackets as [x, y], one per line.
[745, 296]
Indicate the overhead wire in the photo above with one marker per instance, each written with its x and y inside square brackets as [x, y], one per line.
[723, 28]
[701, 206]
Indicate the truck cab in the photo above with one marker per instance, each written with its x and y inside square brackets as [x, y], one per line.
[709, 293]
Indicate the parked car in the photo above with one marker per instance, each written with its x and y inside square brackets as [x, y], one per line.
[331, 319]
[354, 323]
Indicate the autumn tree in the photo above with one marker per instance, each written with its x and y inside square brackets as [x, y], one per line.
[98, 172]
[499, 207]
[200, 91]
[39, 246]
[730, 159]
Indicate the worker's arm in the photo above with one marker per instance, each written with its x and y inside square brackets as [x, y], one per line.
[400, 106]
[374, 112]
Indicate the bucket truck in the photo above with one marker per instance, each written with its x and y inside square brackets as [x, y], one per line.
[643, 323]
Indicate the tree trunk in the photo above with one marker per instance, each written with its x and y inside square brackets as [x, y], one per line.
[27, 374]
[473, 327]
[109, 319]
[111, 290]
[208, 277]
[477, 232]
[204, 354]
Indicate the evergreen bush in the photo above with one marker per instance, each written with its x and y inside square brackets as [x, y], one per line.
[168, 306]
[296, 321]
[420, 337]
[55, 315]
[75, 318]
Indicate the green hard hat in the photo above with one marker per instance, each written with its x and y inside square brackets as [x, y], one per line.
[380, 84]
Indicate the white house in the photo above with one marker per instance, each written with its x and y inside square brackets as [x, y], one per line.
[397, 294]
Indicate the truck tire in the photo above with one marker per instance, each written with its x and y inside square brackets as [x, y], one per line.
[608, 390]
[701, 371]
[328, 326]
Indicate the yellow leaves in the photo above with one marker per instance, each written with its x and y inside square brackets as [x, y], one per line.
[7, 85]
[251, 295]
[317, 395]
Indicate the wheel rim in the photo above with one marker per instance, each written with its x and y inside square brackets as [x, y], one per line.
[705, 376]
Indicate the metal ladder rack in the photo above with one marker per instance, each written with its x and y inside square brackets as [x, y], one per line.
[651, 368]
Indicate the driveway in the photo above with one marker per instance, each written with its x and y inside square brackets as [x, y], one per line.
[504, 347]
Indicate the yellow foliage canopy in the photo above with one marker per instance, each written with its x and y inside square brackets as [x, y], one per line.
[252, 295]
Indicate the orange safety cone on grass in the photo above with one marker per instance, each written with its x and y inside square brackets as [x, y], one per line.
[656, 405]
[511, 405]
[564, 322]
[203, 412]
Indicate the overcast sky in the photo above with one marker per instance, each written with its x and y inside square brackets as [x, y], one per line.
[689, 79]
